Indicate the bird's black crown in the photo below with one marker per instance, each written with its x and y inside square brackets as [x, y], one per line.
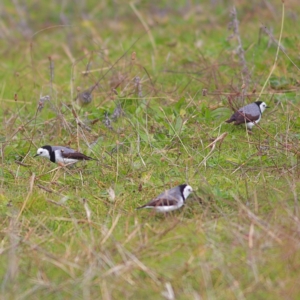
[47, 147]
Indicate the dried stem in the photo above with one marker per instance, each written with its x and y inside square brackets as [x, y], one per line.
[234, 25]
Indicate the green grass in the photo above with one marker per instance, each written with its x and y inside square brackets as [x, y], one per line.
[74, 233]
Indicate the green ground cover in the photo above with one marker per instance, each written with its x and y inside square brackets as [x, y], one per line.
[171, 71]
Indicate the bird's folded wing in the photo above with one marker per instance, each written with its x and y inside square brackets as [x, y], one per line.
[75, 155]
[241, 118]
[162, 202]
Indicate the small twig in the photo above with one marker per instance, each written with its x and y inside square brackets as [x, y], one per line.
[51, 67]
[12, 261]
[87, 210]
[234, 25]
[268, 32]
[138, 147]
[277, 53]
[145, 25]
[255, 220]
[213, 146]
[114, 224]
[45, 188]
[31, 184]
[22, 164]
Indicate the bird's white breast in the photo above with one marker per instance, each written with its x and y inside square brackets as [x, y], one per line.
[251, 124]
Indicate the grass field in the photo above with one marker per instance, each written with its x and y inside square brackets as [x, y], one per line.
[163, 78]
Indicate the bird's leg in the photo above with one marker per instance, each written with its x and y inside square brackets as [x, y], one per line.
[250, 131]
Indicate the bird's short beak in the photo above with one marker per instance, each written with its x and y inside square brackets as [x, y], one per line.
[36, 155]
[268, 107]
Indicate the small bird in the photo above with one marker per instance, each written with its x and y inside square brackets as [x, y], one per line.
[249, 114]
[169, 200]
[85, 97]
[61, 155]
